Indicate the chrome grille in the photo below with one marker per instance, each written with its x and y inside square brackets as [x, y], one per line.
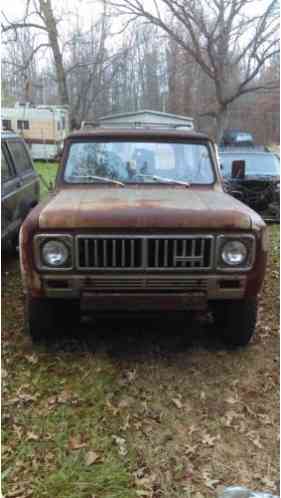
[144, 252]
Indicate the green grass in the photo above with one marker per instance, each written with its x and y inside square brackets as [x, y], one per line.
[48, 172]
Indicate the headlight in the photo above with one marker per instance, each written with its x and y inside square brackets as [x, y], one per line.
[55, 253]
[234, 253]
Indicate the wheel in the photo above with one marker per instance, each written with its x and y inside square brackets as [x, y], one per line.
[236, 320]
[50, 318]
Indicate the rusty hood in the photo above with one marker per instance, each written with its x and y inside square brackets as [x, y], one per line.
[144, 207]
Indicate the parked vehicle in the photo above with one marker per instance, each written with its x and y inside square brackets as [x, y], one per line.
[236, 137]
[139, 220]
[43, 127]
[257, 183]
[20, 190]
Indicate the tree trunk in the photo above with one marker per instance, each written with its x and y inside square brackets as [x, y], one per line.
[46, 9]
[221, 123]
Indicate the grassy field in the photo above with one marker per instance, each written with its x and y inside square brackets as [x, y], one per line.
[47, 172]
[146, 407]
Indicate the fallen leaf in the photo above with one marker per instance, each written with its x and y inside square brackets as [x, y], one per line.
[75, 443]
[209, 440]
[92, 457]
[190, 450]
[121, 443]
[177, 402]
[255, 438]
[32, 437]
[32, 359]
[131, 375]
[232, 400]
[209, 482]
[112, 408]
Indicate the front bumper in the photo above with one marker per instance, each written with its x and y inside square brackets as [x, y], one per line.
[144, 292]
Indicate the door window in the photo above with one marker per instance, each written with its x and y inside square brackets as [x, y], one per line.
[21, 159]
[6, 171]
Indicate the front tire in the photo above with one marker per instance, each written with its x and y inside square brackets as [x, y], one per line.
[236, 320]
[50, 318]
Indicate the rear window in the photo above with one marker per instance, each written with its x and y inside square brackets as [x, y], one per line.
[20, 156]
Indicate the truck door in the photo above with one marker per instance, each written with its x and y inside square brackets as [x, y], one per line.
[10, 216]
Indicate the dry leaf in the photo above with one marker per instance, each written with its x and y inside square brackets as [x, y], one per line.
[232, 400]
[112, 408]
[75, 444]
[92, 457]
[209, 440]
[32, 437]
[190, 450]
[32, 359]
[177, 402]
[121, 443]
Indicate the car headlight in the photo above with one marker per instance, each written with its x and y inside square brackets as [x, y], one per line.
[54, 253]
[234, 253]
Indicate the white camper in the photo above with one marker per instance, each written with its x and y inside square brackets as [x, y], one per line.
[43, 127]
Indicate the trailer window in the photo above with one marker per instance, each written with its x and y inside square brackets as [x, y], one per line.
[7, 124]
[20, 156]
[22, 124]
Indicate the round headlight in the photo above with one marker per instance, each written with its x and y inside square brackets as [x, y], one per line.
[234, 253]
[55, 253]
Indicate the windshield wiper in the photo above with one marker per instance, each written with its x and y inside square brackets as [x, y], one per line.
[99, 178]
[165, 180]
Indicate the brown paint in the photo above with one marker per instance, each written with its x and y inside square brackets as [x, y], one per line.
[137, 208]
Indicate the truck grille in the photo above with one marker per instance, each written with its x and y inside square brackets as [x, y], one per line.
[161, 283]
[144, 252]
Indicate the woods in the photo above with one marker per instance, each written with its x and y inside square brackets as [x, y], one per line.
[215, 61]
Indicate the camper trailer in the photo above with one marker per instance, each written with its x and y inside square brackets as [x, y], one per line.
[43, 127]
[142, 119]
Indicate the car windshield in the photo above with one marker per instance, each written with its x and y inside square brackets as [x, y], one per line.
[139, 162]
[256, 165]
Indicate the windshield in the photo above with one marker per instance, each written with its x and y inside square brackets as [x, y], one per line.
[138, 162]
[256, 165]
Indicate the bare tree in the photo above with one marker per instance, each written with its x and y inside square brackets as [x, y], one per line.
[39, 15]
[229, 39]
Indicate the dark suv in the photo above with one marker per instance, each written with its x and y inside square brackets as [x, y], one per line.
[19, 186]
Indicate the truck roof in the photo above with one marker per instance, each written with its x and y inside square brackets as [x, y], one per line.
[137, 133]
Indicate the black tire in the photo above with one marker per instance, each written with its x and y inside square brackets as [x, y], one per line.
[236, 321]
[50, 318]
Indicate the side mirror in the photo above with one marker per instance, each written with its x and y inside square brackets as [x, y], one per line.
[238, 170]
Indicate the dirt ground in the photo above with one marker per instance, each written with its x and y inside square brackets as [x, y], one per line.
[147, 406]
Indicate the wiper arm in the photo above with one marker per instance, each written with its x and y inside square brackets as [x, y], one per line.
[165, 180]
[99, 178]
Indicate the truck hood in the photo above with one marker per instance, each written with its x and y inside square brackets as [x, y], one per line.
[144, 207]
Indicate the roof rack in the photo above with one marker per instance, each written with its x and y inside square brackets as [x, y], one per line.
[135, 124]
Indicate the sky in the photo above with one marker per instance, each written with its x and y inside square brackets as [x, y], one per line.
[15, 8]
